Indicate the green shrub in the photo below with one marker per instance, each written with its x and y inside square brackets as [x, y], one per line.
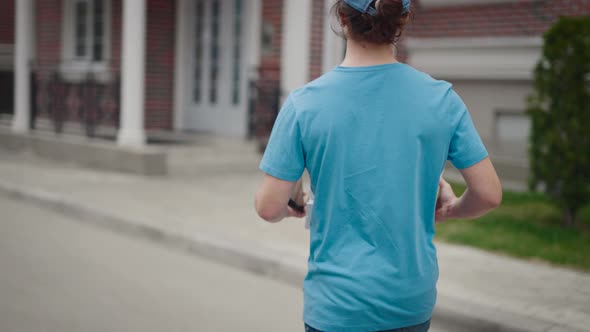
[560, 113]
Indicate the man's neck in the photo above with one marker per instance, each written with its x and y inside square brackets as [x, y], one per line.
[365, 54]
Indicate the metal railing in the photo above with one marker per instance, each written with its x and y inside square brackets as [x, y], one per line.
[90, 99]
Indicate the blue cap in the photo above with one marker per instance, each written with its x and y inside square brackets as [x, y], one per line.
[364, 6]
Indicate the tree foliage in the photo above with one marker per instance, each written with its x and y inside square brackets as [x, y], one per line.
[560, 114]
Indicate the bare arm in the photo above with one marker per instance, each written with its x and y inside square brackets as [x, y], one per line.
[272, 199]
[484, 193]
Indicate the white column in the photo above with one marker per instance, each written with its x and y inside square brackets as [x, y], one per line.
[295, 47]
[333, 50]
[22, 72]
[182, 62]
[131, 131]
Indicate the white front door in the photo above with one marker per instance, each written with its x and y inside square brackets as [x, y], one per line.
[219, 63]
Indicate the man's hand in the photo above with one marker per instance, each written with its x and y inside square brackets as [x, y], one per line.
[273, 197]
[483, 194]
[294, 213]
[445, 202]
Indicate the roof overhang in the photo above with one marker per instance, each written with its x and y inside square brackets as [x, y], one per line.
[444, 3]
[487, 58]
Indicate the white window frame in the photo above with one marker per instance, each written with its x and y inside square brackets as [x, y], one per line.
[504, 114]
[75, 68]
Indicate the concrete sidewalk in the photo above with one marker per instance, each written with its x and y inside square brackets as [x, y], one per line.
[206, 206]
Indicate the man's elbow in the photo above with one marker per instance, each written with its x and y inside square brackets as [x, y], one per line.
[494, 200]
[267, 213]
[493, 197]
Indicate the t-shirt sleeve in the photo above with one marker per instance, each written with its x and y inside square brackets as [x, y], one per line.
[284, 156]
[466, 148]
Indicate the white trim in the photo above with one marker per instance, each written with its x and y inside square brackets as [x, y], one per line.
[206, 66]
[444, 3]
[22, 70]
[182, 76]
[132, 132]
[76, 69]
[226, 36]
[254, 33]
[333, 48]
[6, 57]
[476, 42]
[253, 52]
[295, 47]
[511, 58]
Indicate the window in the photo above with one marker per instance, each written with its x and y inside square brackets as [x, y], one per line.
[237, 68]
[81, 28]
[89, 30]
[511, 125]
[86, 37]
[98, 30]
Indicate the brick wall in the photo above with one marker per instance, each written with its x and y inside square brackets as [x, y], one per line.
[401, 51]
[48, 33]
[523, 18]
[48, 57]
[48, 29]
[159, 74]
[116, 29]
[6, 37]
[7, 22]
[270, 60]
[316, 42]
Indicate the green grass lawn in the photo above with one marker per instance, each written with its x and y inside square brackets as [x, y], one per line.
[526, 225]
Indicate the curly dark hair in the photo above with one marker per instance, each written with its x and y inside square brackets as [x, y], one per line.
[385, 27]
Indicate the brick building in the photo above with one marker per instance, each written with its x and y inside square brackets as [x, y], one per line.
[192, 64]
[6, 56]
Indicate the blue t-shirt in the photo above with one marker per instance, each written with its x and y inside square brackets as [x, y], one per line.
[374, 140]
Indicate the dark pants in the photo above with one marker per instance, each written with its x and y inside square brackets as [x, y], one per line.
[416, 328]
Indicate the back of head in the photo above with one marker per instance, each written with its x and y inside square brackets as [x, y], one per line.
[376, 22]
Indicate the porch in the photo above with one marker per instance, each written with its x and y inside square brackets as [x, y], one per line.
[140, 73]
[126, 67]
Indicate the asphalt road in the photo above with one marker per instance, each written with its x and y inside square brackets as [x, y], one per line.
[65, 275]
[60, 275]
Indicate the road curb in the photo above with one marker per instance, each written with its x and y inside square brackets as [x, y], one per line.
[274, 265]
[278, 266]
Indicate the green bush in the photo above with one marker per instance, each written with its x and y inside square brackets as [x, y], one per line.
[560, 113]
